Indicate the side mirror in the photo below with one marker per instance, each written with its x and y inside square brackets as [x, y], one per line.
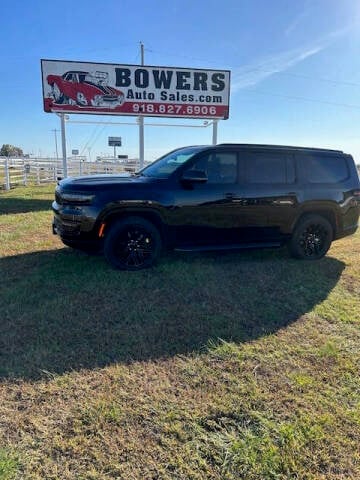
[194, 176]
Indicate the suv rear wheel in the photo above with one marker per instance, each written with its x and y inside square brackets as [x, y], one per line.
[311, 238]
[132, 244]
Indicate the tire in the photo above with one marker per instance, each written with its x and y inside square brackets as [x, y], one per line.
[81, 99]
[90, 249]
[311, 238]
[132, 244]
[69, 101]
[58, 95]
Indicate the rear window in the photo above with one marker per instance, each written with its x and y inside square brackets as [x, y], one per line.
[270, 168]
[323, 169]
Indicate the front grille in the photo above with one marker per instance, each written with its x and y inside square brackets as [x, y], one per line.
[110, 98]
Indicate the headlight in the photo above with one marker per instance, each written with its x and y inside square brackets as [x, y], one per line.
[76, 198]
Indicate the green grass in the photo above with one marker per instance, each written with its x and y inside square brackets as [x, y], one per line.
[241, 365]
[9, 465]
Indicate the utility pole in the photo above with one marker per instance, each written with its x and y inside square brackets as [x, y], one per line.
[56, 145]
[141, 120]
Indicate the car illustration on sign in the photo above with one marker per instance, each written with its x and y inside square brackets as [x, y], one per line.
[84, 89]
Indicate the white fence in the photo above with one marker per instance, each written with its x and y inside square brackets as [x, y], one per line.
[36, 171]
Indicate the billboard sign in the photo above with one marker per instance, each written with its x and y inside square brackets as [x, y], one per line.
[102, 88]
[114, 141]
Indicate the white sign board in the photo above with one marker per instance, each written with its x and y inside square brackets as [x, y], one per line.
[101, 88]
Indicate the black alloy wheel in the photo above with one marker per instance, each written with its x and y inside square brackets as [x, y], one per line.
[312, 238]
[132, 244]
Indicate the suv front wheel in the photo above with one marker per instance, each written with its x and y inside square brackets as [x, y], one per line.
[132, 243]
[311, 238]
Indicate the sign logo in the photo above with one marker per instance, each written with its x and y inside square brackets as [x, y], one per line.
[97, 88]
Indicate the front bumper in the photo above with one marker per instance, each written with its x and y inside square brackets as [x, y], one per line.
[65, 229]
[73, 222]
[106, 101]
[71, 235]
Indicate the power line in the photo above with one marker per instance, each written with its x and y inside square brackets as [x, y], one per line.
[309, 77]
[321, 79]
[188, 57]
[100, 132]
[262, 70]
[93, 133]
[306, 99]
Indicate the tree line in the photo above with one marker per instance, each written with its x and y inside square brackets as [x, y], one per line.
[10, 151]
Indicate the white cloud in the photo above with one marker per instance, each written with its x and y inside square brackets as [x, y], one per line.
[297, 20]
[256, 72]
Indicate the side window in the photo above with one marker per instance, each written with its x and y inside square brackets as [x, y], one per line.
[220, 167]
[270, 168]
[70, 77]
[323, 169]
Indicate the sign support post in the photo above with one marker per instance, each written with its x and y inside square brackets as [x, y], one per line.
[141, 142]
[141, 122]
[215, 131]
[63, 143]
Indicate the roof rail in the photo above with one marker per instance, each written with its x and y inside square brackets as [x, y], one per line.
[278, 147]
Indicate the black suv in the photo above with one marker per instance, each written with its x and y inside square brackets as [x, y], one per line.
[226, 196]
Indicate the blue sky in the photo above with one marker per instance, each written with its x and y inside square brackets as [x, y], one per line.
[295, 68]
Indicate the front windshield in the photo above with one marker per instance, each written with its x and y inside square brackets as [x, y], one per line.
[167, 164]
